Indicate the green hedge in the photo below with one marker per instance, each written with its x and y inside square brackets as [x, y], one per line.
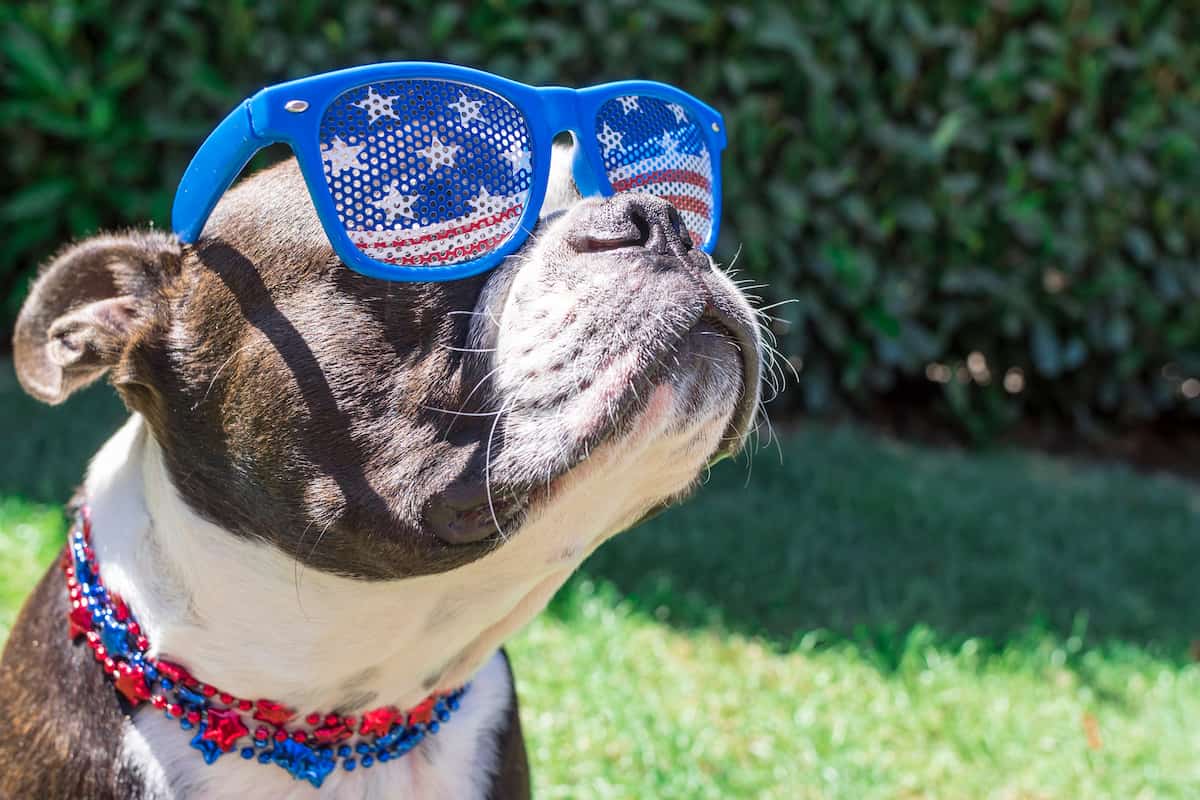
[1015, 180]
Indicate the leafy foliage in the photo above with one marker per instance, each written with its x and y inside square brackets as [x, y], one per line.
[1015, 180]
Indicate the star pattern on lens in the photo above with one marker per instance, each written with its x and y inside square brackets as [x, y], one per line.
[439, 154]
[395, 204]
[339, 157]
[377, 106]
[629, 103]
[679, 112]
[467, 109]
[519, 157]
[668, 143]
[610, 140]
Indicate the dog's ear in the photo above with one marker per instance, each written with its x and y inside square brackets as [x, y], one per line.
[86, 308]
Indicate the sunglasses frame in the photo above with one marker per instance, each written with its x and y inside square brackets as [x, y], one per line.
[291, 113]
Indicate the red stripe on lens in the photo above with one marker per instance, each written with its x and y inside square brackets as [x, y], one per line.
[662, 176]
[685, 203]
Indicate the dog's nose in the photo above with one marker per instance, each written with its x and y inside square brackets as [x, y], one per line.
[629, 220]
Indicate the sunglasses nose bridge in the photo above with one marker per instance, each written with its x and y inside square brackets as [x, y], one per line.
[560, 106]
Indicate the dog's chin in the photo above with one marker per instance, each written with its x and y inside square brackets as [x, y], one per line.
[580, 373]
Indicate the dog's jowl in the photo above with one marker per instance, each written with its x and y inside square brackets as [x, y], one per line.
[337, 496]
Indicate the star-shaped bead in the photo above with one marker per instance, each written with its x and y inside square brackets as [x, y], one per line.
[467, 109]
[377, 106]
[395, 204]
[224, 728]
[332, 734]
[610, 139]
[519, 157]
[340, 156]
[678, 111]
[273, 713]
[668, 143]
[629, 103]
[208, 748]
[79, 620]
[131, 682]
[423, 711]
[439, 154]
[377, 721]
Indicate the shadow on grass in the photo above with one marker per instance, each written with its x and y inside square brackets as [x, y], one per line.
[851, 535]
[868, 540]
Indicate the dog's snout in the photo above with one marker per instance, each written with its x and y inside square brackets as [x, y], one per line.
[629, 220]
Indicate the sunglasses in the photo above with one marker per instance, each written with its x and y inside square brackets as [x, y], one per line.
[431, 172]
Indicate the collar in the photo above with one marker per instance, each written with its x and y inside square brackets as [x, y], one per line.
[221, 722]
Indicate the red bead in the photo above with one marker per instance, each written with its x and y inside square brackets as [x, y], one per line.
[224, 728]
[377, 721]
[313, 719]
[245, 705]
[423, 711]
[209, 691]
[300, 736]
[109, 665]
[174, 709]
[143, 643]
[274, 713]
[99, 652]
[280, 736]
[120, 610]
[332, 719]
[134, 628]
[193, 717]
[332, 734]
[172, 671]
[158, 701]
[132, 684]
[79, 621]
[261, 732]
[226, 698]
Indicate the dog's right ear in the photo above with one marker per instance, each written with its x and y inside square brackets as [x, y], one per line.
[87, 307]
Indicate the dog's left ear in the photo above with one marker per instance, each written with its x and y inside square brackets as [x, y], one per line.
[87, 307]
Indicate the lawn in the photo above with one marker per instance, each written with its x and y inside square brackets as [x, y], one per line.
[857, 618]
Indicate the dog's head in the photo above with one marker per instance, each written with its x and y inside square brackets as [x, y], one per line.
[384, 430]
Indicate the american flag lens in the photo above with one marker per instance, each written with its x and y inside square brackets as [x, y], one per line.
[657, 147]
[426, 173]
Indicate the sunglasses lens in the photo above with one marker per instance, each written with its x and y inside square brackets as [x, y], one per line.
[426, 173]
[657, 147]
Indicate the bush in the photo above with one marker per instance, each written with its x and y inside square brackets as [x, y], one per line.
[967, 196]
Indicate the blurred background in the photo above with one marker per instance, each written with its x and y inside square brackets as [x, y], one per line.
[987, 215]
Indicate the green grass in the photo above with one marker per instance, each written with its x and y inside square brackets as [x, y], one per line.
[865, 619]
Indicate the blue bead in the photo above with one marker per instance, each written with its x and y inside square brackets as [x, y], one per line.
[344, 751]
[367, 761]
[183, 723]
[443, 715]
[349, 765]
[167, 684]
[247, 753]
[453, 703]
[363, 747]
[264, 758]
[384, 756]
[433, 726]
[325, 752]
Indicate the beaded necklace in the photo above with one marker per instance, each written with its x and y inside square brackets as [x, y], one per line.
[219, 719]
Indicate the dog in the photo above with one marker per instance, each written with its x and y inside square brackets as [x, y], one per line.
[342, 493]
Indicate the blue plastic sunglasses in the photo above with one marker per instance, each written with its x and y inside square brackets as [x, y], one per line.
[431, 172]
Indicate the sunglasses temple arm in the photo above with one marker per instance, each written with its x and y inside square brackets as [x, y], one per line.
[214, 167]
